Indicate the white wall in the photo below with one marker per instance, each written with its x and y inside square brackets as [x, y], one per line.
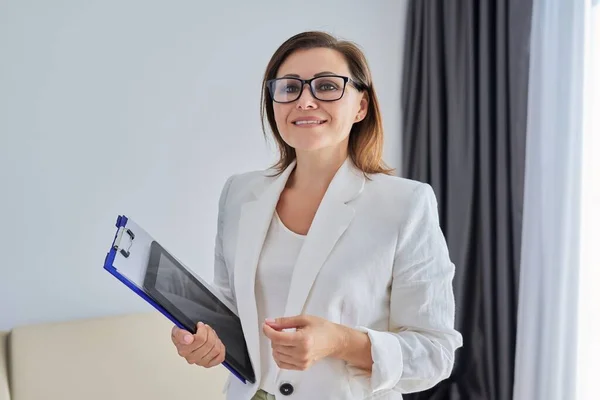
[142, 108]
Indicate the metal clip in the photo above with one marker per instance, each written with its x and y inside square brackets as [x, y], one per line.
[117, 244]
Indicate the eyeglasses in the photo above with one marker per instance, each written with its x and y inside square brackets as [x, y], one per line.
[323, 87]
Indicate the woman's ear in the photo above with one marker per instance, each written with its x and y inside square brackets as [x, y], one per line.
[363, 107]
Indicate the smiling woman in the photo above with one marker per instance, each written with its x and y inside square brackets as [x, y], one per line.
[339, 271]
[328, 123]
[339, 80]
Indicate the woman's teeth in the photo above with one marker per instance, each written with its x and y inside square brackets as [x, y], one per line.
[307, 122]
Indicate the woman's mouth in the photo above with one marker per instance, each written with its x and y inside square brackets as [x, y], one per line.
[308, 123]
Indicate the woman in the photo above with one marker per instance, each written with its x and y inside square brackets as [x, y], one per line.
[339, 271]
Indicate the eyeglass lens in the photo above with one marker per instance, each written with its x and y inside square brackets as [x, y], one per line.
[326, 88]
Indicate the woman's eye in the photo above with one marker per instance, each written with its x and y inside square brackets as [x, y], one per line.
[291, 89]
[326, 87]
[287, 88]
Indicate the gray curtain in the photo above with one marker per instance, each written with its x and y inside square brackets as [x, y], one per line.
[464, 107]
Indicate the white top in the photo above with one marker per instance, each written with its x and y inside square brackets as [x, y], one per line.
[273, 276]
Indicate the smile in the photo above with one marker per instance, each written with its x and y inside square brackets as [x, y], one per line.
[313, 122]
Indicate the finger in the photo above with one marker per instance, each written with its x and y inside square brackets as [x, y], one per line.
[214, 352]
[220, 358]
[181, 336]
[201, 352]
[284, 338]
[288, 359]
[199, 340]
[202, 331]
[298, 363]
[287, 350]
[298, 321]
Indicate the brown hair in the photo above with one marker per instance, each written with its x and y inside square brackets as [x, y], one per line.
[365, 144]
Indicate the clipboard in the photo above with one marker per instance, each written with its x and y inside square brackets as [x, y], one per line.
[130, 260]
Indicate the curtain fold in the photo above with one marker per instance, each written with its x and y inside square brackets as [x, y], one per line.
[547, 334]
[464, 108]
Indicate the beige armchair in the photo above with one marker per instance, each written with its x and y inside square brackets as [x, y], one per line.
[124, 357]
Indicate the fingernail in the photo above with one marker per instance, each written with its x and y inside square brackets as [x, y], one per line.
[200, 323]
[270, 320]
[187, 339]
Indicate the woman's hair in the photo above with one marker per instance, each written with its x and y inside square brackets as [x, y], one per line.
[365, 145]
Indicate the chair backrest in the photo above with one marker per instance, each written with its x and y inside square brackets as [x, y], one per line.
[124, 357]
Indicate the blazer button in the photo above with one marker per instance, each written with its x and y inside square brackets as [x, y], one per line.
[286, 389]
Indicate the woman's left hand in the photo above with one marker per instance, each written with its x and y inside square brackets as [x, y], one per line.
[315, 338]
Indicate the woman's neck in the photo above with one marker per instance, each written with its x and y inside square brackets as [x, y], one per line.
[314, 171]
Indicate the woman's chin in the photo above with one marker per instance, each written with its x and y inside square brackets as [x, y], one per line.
[307, 147]
[307, 142]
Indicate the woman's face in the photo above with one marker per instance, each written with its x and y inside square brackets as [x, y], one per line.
[309, 124]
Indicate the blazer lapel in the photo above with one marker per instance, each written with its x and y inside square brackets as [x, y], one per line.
[255, 218]
[331, 220]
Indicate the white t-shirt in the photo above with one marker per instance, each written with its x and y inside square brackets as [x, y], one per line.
[273, 277]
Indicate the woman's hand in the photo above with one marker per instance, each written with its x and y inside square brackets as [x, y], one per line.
[315, 338]
[204, 348]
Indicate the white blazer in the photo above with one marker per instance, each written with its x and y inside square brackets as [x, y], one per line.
[375, 259]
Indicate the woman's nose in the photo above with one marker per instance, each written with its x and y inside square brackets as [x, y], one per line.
[306, 99]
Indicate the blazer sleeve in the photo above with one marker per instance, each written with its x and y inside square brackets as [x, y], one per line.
[221, 272]
[418, 350]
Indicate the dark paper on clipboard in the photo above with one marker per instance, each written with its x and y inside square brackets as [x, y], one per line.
[154, 274]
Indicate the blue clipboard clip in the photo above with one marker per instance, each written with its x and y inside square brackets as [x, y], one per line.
[125, 250]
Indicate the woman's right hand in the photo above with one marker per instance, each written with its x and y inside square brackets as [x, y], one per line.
[203, 348]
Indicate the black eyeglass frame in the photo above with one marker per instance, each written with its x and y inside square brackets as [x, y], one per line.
[308, 82]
